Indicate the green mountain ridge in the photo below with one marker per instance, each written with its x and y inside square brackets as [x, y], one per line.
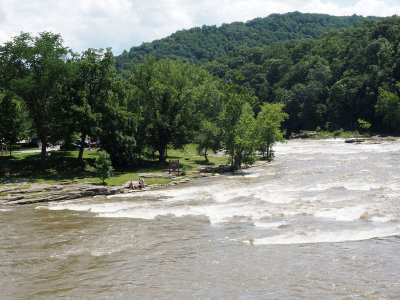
[329, 82]
[201, 45]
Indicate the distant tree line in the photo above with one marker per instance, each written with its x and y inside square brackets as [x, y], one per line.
[53, 94]
[201, 45]
[329, 82]
[327, 71]
[343, 79]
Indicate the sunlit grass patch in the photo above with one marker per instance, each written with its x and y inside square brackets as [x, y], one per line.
[63, 166]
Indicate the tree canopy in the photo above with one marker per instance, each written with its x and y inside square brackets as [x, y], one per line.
[328, 82]
[34, 69]
[201, 45]
[243, 98]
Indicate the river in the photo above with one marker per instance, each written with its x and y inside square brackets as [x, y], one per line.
[322, 221]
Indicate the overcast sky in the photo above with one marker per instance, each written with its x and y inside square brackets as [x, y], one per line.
[121, 24]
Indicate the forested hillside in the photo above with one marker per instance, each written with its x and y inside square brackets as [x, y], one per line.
[200, 45]
[345, 79]
[329, 82]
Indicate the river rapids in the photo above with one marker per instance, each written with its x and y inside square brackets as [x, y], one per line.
[322, 221]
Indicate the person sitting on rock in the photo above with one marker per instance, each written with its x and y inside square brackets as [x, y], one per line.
[141, 183]
[131, 185]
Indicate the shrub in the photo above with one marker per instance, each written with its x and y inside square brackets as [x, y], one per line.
[103, 165]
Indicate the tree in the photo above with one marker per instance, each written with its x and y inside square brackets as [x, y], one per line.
[268, 127]
[10, 120]
[208, 137]
[238, 127]
[93, 75]
[245, 139]
[201, 45]
[34, 69]
[118, 124]
[103, 165]
[388, 107]
[170, 97]
[364, 125]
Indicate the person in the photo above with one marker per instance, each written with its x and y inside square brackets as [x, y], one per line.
[7, 175]
[141, 183]
[131, 185]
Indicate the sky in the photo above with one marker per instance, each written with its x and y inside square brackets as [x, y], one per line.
[122, 24]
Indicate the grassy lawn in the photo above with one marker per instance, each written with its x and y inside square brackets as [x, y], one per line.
[64, 166]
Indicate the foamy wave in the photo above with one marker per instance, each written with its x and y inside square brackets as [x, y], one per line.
[252, 175]
[216, 214]
[382, 219]
[343, 214]
[270, 225]
[92, 207]
[326, 237]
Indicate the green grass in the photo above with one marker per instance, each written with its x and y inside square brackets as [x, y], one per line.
[64, 166]
[60, 166]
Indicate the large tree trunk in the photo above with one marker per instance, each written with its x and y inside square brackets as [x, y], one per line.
[161, 152]
[43, 154]
[162, 148]
[81, 148]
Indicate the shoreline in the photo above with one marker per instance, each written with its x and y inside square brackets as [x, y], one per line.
[22, 192]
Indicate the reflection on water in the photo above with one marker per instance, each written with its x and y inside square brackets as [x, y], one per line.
[321, 221]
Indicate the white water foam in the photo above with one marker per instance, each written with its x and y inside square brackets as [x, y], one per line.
[216, 213]
[344, 213]
[275, 225]
[327, 237]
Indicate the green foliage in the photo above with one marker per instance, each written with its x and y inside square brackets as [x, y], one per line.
[92, 76]
[208, 137]
[331, 79]
[34, 69]
[202, 45]
[238, 125]
[268, 128]
[245, 139]
[388, 107]
[363, 124]
[103, 165]
[271, 68]
[172, 99]
[185, 169]
[10, 120]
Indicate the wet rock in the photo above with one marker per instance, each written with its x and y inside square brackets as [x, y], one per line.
[73, 193]
[354, 140]
[304, 135]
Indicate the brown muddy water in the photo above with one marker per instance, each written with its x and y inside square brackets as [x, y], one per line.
[322, 221]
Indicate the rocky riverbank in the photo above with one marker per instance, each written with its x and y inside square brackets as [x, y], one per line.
[24, 192]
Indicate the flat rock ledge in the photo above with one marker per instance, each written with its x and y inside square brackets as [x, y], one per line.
[56, 193]
[21, 193]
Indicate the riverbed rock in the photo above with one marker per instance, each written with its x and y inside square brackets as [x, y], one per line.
[354, 140]
[304, 135]
[58, 193]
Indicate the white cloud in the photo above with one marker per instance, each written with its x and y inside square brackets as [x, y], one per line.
[121, 24]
